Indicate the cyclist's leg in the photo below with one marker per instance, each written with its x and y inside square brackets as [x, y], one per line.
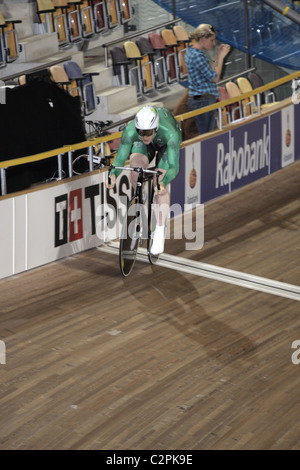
[138, 158]
[162, 203]
[161, 210]
[162, 200]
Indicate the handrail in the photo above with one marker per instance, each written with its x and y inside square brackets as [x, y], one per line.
[134, 35]
[98, 140]
[236, 75]
[256, 91]
[284, 10]
[38, 68]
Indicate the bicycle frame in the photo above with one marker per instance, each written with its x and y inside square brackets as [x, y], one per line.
[141, 176]
[129, 241]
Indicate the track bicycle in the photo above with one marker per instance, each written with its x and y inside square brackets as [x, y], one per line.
[139, 219]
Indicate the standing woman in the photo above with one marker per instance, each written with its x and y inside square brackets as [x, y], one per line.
[203, 76]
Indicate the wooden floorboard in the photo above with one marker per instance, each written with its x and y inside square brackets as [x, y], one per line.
[163, 359]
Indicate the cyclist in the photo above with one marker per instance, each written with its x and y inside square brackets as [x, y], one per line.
[153, 130]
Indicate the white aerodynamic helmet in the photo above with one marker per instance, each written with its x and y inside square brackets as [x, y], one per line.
[146, 118]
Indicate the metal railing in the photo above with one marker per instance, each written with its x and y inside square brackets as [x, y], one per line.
[33, 70]
[90, 144]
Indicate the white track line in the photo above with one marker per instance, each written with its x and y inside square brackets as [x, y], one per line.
[217, 273]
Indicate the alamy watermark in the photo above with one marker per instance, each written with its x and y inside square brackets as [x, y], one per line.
[296, 354]
[2, 352]
[188, 221]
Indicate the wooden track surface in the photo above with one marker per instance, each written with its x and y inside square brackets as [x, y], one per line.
[161, 360]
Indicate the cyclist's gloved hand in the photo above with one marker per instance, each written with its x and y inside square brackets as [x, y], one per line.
[112, 182]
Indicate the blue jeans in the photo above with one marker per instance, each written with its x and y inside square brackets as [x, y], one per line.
[205, 122]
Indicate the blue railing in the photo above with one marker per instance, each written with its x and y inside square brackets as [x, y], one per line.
[263, 32]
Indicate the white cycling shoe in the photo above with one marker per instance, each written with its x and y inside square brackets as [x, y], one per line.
[158, 242]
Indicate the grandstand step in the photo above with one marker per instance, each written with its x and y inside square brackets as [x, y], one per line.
[112, 100]
[38, 46]
[102, 81]
[115, 98]
[125, 113]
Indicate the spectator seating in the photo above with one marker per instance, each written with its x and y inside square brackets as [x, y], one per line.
[181, 34]
[86, 18]
[85, 84]
[160, 68]
[72, 20]
[256, 82]
[60, 22]
[171, 55]
[226, 110]
[148, 63]
[245, 86]
[60, 77]
[145, 77]
[183, 40]
[99, 16]
[45, 10]
[234, 91]
[76, 20]
[2, 51]
[113, 14]
[109, 14]
[125, 11]
[9, 39]
[158, 63]
[120, 65]
[43, 75]
[160, 47]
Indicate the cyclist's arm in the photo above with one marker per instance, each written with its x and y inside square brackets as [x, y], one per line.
[173, 153]
[123, 152]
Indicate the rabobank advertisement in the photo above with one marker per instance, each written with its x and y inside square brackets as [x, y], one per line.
[240, 157]
[233, 159]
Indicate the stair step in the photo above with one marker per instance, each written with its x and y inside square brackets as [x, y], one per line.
[115, 98]
[38, 46]
[102, 81]
[125, 113]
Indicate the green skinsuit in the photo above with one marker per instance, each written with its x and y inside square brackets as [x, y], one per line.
[168, 135]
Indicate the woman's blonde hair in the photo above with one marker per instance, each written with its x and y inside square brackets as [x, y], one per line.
[203, 30]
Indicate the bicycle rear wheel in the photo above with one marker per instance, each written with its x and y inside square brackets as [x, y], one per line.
[130, 236]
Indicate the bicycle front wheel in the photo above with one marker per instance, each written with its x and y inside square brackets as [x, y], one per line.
[130, 236]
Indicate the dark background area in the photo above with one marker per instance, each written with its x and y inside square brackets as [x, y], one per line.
[37, 117]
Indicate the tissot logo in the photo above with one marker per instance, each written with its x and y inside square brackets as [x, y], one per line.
[69, 214]
[88, 211]
[75, 215]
